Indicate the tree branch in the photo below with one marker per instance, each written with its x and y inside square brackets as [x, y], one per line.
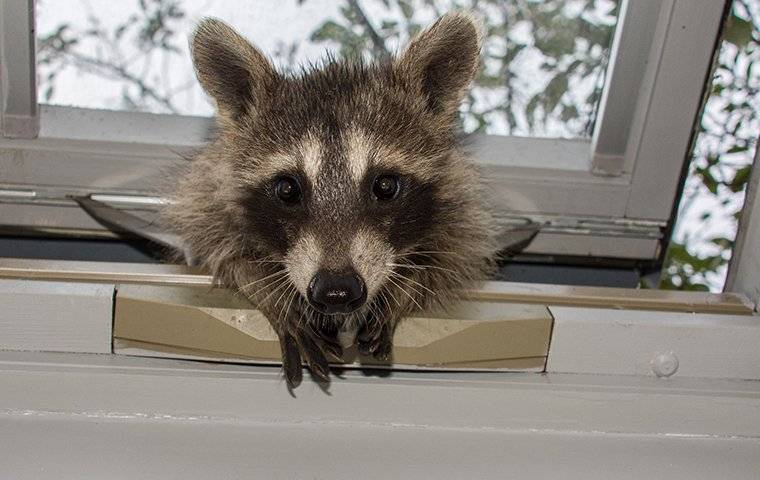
[120, 72]
[378, 44]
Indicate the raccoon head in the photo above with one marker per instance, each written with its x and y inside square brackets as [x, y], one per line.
[344, 181]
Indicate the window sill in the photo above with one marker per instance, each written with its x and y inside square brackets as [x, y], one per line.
[72, 415]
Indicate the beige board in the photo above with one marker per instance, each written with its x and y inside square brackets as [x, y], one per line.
[214, 324]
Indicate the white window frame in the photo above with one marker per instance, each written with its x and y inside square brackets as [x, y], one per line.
[608, 196]
[77, 416]
[597, 408]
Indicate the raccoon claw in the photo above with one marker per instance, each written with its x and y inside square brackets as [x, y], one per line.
[291, 362]
[329, 345]
[315, 357]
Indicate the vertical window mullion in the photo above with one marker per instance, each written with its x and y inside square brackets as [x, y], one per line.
[18, 84]
[622, 87]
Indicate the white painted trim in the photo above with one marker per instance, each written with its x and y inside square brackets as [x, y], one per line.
[76, 316]
[55, 316]
[69, 416]
[744, 270]
[626, 342]
[668, 103]
[629, 55]
[511, 292]
[129, 386]
[18, 83]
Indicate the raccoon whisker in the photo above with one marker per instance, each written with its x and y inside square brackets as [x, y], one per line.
[398, 275]
[272, 275]
[390, 279]
[273, 283]
[284, 292]
[411, 287]
[283, 282]
[309, 316]
[279, 272]
[381, 307]
[422, 267]
[371, 315]
[265, 258]
[428, 253]
[378, 314]
[292, 298]
[301, 316]
[286, 308]
[392, 296]
[402, 265]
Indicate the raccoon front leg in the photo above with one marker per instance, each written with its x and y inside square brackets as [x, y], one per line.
[297, 342]
[375, 337]
[301, 339]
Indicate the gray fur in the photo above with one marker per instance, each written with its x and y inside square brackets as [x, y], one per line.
[332, 126]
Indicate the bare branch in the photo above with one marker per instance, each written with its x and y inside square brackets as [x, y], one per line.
[378, 44]
[121, 73]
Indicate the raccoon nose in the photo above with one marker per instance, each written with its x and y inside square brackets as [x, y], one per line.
[331, 292]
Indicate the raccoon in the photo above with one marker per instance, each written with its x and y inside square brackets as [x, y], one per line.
[338, 198]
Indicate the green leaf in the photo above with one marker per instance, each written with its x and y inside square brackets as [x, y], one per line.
[738, 31]
[330, 31]
[696, 287]
[740, 179]
[722, 242]
[569, 112]
[738, 149]
[554, 90]
[708, 180]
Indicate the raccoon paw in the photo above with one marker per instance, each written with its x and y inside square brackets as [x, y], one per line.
[367, 347]
[329, 342]
[377, 344]
[383, 350]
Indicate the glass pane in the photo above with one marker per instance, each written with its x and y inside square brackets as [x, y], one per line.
[542, 73]
[721, 162]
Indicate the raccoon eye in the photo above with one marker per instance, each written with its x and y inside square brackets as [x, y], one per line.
[288, 190]
[385, 187]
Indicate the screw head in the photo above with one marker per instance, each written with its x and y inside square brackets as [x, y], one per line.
[664, 364]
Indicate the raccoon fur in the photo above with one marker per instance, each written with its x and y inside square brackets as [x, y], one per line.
[338, 198]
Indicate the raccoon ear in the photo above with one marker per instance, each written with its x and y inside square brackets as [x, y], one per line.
[234, 72]
[442, 60]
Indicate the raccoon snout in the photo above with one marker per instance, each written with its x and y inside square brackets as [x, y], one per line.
[331, 292]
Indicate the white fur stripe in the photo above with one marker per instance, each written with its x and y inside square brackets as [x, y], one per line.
[357, 146]
[303, 261]
[310, 150]
[370, 256]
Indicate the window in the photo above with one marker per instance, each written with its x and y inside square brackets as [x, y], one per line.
[598, 163]
[542, 74]
[607, 194]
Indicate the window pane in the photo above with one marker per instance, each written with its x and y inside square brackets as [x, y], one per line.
[542, 73]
